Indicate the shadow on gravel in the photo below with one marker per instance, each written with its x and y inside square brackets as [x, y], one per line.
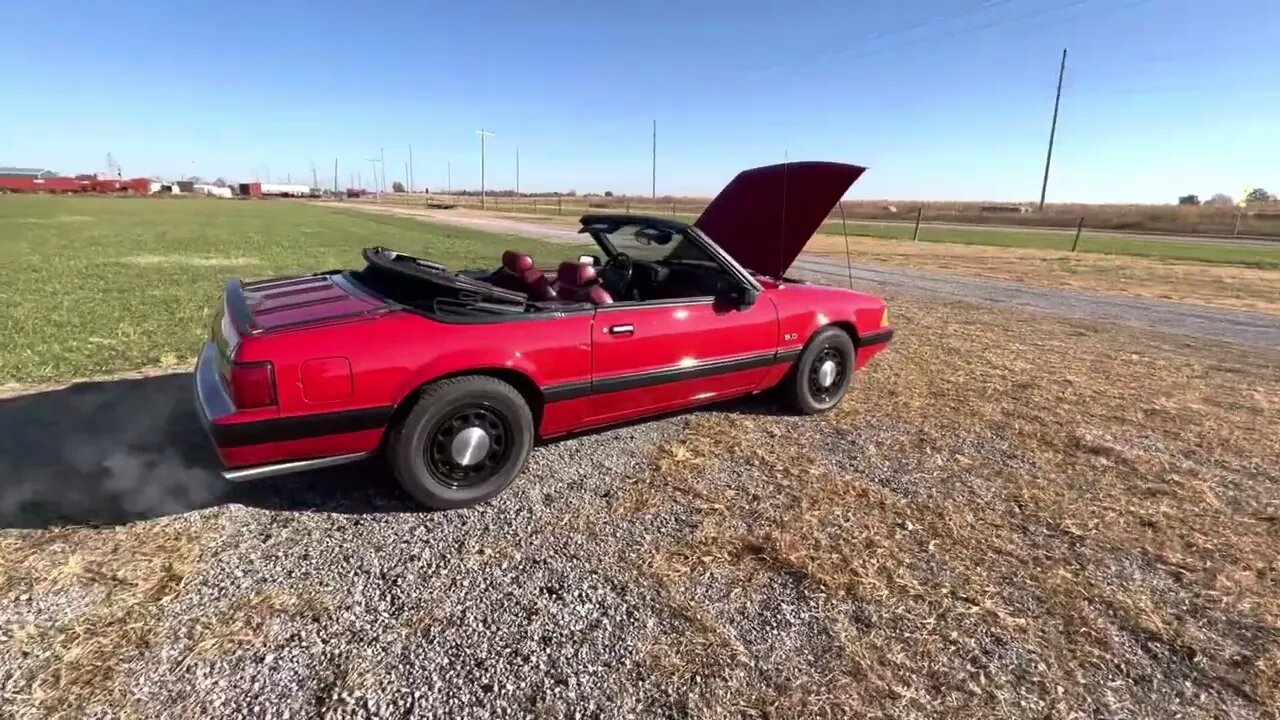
[116, 451]
[106, 453]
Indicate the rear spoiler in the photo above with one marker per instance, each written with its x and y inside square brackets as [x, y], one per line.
[238, 308]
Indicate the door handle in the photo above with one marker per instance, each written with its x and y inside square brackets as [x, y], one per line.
[627, 329]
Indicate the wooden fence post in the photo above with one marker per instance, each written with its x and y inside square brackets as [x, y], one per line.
[1236, 229]
[559, 206]
[915, 234]
[1079, 227]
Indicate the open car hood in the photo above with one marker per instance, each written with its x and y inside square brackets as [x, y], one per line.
[766, 215]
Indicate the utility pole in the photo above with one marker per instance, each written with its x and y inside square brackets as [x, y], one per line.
[448, 177]
[377, 191]
[335, 176]
[483, 134]
[359, 180]
[406, 174]
[382, 158]
[410, 168]
[315, 180]
[1053, 128]
[517, 171]
[653, 190]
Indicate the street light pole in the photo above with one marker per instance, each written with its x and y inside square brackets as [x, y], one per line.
[653, 189]
[483, 134]
[377, 192]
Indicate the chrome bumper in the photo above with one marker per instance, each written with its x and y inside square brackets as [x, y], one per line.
[258, 472]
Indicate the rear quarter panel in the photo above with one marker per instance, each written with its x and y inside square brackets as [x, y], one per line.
[392, 355]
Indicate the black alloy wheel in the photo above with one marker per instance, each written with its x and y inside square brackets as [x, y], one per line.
[823, 373]
[463, 441]
[468, 447]
[826, 375]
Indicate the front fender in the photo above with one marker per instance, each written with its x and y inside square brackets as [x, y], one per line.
[804, 309]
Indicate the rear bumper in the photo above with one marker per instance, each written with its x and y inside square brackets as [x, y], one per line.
[212, 400]
[213, 405]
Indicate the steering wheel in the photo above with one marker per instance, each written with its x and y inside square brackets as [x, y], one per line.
[618, 270]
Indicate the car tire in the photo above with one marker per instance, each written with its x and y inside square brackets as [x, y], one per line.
[463, 442]
[809, 388]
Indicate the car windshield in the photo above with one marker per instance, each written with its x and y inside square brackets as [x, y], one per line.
[646, 243]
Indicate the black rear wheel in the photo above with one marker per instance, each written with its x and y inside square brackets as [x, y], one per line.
[463, 442]
[822, 375]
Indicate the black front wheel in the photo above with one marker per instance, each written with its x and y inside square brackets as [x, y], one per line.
[822, 375]
[463, 442]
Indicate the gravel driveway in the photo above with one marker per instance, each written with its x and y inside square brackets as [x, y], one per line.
[329, 595]
[1163, 315]
[330, 592]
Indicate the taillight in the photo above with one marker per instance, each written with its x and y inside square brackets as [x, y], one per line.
[253, 385]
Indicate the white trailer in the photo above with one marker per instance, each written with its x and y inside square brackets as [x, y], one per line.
[286, 190]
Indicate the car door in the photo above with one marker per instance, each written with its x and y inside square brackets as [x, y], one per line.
[665, 355]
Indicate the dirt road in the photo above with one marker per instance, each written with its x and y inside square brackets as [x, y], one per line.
[1183, 318]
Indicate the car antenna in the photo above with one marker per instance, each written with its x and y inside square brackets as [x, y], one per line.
[845, 229]
[782, 239]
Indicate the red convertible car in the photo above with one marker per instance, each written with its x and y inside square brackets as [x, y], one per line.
[454, 374]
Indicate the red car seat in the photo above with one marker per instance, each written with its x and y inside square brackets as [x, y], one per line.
[577, 282]
[520, 274]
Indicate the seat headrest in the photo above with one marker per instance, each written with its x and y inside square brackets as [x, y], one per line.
[575, 274]
[516, 262]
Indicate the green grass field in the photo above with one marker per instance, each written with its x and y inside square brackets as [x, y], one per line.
[97, 285]
[1259, 256]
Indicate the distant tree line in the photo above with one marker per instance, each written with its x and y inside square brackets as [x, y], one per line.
[1256, 195]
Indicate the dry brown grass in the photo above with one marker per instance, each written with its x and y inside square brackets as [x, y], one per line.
[1229, 286]
[1044, 518]
[245, 622]
[105, 589]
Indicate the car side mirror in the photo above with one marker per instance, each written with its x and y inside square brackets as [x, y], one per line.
[591, 260]
[739, 296]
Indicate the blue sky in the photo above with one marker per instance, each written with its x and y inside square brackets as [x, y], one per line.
[942, 99]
